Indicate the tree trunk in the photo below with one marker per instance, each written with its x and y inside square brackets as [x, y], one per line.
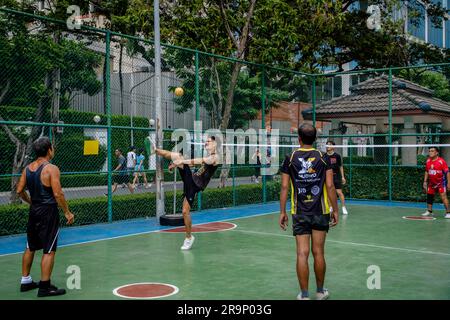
[55, 83]
[230, 97]
[23, 153]
[121, 78]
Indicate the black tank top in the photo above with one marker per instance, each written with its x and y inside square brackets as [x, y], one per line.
[39, 193]
[203, 175]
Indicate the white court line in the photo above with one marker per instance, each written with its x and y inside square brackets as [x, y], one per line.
[140, 233]
[346, 243]
[247, 231]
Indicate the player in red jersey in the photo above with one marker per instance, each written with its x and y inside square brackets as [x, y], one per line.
[436, 180]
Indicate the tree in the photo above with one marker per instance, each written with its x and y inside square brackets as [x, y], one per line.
[28, 79]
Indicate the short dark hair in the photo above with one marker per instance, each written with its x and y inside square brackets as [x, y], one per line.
[119, 150]
[331, 142]
[435, 148]
[132, 148]
[41, 146]
[141, 150]
[307, 133]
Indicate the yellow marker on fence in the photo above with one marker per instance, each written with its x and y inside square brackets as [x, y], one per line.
[91, 147]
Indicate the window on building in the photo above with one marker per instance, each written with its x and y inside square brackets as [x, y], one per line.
[416, 19]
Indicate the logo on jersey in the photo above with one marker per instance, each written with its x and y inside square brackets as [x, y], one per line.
[307, 165]
[315, 190]
[308, 198]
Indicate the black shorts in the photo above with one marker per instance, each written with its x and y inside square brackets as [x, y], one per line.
[337, 183]
[121, 178]
[304, 224]
[190, 189]
[43, 228]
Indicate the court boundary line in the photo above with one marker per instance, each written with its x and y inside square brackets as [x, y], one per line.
[141, 233]
[346, 242]
[390, 204]
[208, 230]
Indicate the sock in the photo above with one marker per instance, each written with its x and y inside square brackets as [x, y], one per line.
[305, 294]
[320, 290]
[44, 284]
[26, 280]
[430, 211]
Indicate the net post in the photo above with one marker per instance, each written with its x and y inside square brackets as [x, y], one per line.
[108, 117]
[197, 115]
[234, 186]
[263, 123]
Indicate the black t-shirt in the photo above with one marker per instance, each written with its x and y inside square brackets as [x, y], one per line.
[307, 170]
[334, 162]
[203, 175]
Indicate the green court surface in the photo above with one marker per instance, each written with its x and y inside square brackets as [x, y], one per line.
[256, 260]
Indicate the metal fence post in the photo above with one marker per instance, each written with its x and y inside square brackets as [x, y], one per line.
[263, 125]
[108, 117]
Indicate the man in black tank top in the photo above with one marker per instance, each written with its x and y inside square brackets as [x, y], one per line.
[192, 182]
[42, 181]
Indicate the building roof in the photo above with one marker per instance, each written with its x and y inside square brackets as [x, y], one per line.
[371, 98]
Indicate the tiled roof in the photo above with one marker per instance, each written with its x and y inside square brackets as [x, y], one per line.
[373, 96]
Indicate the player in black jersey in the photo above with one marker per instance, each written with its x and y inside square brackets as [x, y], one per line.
[334, 160]
[311, 182]
[42, 181]
[193, 182]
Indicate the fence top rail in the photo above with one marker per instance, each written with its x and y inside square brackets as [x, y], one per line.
[234, 60]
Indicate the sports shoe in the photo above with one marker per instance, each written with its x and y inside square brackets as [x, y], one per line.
[447, 216]
[28, 286]
[50, 291]
[322, 295]
[148, 186]
[187, 244]
[344, 210]
[427, 214]
[299, 297]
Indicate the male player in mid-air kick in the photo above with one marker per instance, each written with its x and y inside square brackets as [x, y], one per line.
[436, 180]
[193, 182]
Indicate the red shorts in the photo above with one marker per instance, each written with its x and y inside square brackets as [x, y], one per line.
[432, 189]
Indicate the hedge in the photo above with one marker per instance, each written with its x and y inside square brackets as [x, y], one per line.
[69, 145]
[13, 218]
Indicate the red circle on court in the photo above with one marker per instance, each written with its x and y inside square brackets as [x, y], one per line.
[418, 218]
[207, 227]
[148, 290]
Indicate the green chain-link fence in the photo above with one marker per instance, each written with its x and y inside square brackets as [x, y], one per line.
[89, 84]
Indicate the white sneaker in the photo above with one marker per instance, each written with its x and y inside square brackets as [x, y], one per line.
[447, 216]
[427, 214]
[187, 244]
[299, 297]
[344, 210]
[322, 296]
